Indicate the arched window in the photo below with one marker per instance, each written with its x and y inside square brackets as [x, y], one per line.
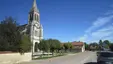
[35, 16]
[31, 17]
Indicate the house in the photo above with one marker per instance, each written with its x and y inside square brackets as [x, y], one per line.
[78, 46]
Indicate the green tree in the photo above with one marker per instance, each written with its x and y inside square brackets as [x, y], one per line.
[71, 46]
[57, 45]
[50, 45]
[61, 48]
[100, 42]
[106, 44]
[25, 45]
[94, 46]
[54, 44]
[43, 45]
[10, 37]
[111, 46]
[86, 46]
[66, 46]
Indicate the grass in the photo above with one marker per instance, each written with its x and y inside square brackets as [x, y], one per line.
[47, 57]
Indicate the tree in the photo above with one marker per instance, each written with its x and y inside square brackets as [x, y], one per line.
[94, 46]
[100, 42]
[61, 48]
[66, 46]
[54, 45]
[57, 44]
[25, 45]
[71, 46]
[111, 47]
[10, 37]
[43, 45]
[50, 45]
[106, 44]
[86, 46]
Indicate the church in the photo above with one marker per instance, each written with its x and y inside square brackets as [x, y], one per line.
[34, 29]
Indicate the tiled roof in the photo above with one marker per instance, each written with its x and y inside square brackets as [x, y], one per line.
[77, 43]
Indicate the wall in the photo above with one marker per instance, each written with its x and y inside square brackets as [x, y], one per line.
[83, 48]
[13, 58]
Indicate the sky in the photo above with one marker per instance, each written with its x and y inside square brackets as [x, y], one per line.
[66, 20]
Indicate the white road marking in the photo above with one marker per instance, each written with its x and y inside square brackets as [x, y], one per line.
[85, 59]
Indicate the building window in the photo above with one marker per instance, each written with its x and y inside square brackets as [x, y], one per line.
[36, 33]
[30, 16]
[35, 17]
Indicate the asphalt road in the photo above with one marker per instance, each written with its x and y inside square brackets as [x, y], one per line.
[78, 58]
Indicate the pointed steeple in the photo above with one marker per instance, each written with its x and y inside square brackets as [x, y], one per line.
[34, 7]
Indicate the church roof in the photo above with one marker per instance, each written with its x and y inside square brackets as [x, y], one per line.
[34, 7]
[22, 27]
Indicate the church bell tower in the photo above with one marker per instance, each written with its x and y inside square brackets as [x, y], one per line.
[35, 28]
[34, 13]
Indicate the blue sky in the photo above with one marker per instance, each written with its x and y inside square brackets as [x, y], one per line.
[66, 20]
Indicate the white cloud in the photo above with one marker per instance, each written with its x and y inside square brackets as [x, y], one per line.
[99, 22]
[108, 38]
[83, 38]
[109, 12]
[100, 35]
[109, 28]
[103, 33]
[102, 28]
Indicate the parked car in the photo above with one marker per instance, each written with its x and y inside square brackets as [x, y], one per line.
[105, 57]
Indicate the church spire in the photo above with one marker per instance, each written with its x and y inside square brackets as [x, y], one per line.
[34, 7]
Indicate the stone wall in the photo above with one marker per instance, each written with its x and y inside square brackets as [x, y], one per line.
[14, 58]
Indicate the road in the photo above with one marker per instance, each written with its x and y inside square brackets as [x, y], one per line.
[78, 58]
